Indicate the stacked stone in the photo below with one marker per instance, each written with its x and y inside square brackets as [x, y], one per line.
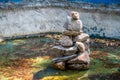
[74, 49]
[72, 55]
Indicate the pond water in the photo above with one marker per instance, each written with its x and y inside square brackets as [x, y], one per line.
[105, 60]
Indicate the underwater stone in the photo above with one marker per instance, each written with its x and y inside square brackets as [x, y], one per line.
[59, 65]
[78, 66]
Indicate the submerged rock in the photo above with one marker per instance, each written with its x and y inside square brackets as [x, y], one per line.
[59, 65]
[78, 66]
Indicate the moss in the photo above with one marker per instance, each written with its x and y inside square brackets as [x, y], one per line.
[41, 63]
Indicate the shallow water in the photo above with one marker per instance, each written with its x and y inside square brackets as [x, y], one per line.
[105, 61]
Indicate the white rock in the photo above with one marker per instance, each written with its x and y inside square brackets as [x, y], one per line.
[80, 46]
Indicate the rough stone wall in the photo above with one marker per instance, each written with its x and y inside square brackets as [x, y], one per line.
[32, 21]
[101, 24]
[36, 16]
[22, 22]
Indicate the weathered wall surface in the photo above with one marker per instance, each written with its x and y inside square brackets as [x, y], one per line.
[21, 22]
[32, 21]
[101, 24]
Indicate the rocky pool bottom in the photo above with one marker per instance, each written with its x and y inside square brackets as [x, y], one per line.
[29, 59]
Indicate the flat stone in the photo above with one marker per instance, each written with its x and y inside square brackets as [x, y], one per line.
[82, 37]
[81, 58]
[65, 51]
[63, 59]
[71, 33]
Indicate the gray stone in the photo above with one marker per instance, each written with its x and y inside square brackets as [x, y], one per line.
[81, 58]
[82, 37]
[82, 61]
[62, 59]
[71, 45]
[64, 51]
[78, 66]
[73, 22]
[80, 46]
[66, 41]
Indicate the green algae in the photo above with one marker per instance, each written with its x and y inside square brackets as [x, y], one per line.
[100, 66]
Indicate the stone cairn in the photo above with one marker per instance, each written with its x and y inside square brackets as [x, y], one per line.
[74, 49]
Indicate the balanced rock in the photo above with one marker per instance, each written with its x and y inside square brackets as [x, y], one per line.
[73, 53]
[80, 62]
[66, 41]
[82, 58]
[60, 62]
[71, 33]
[64, 51]
[80, 46]
[82, 37]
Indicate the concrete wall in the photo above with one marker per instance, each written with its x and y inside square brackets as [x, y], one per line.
[21, 22]
[31, 21]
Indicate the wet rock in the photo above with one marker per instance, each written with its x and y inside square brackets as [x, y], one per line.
[78, 66]
[59, 65]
